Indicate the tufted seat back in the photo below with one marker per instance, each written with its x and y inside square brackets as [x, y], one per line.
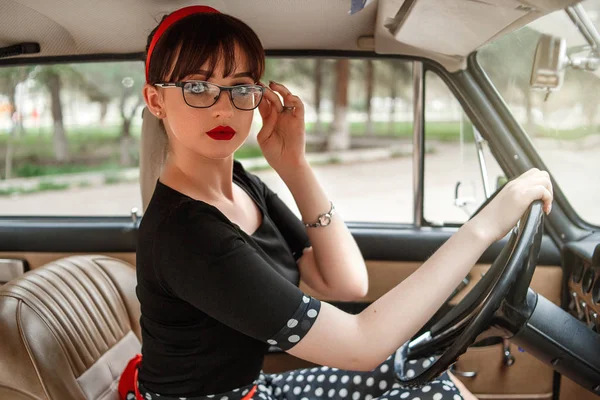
[67, 329]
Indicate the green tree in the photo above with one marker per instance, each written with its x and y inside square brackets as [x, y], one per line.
[369, 86]
[55, 78]
[398, 81]
[10, 77]
[121, 82]
[9, 80]
[317, 90]
[339, 135]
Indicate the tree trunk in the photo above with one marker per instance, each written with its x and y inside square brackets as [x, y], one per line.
[126, 138]
[8, 159]
[12, 98]
[369, 90]
[318, 83]
[339, 137]
[393, 95]
[103, 112]
[125, 159]
[61, 149]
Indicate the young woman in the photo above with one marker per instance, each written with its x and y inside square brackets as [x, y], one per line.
[220, 256]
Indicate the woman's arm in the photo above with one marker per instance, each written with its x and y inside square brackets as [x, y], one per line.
[363, 341]
[335, 261]
[395, 317]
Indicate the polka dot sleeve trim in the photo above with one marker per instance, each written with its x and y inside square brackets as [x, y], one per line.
[298, 325]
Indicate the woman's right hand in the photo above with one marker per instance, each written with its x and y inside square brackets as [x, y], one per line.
[503, 212]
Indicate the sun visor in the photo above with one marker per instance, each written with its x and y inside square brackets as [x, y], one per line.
[453, 27]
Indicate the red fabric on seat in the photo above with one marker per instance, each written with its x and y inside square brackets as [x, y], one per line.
[128, 389]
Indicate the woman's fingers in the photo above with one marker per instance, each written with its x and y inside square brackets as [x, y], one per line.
[273, 98]
[294, 101]
[267, 111]
[537, 180]
[264, 108]
[278, 87]
[540, 192]
[289, 100]
[538, 184]
[542, 178]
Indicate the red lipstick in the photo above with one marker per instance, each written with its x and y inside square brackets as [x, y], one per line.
[221, 133]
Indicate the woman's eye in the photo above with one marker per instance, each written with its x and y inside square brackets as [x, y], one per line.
[244, 90]
[197, 88]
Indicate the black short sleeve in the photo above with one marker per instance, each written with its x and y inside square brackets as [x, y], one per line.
[213, 268]
[290, 226]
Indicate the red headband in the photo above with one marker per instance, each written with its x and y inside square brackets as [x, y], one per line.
[170, 20]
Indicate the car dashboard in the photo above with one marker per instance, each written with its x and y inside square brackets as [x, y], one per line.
[581, 263]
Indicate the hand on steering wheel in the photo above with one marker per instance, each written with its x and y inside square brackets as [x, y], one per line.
[520, 204]
[503, 212]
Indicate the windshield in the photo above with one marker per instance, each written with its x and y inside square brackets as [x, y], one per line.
[564, 126]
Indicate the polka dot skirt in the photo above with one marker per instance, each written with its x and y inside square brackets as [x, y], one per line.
[333, 383]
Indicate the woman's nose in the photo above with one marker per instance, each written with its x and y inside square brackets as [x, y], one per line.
[223, 108]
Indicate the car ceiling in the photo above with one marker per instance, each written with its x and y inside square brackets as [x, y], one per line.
[443, 30]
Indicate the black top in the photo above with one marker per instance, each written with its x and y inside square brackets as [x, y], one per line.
[213, 298]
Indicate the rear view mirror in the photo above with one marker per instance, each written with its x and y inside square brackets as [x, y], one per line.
[549, 63]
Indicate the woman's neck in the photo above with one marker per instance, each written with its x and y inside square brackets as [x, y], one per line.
[199, 177]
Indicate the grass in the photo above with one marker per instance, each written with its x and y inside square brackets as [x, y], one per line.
[96, 149]
[446, 131]
[41, 187]
[29, 169]
[111, 179]
[564, 134]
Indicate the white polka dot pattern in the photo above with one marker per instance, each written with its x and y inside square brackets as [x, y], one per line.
[332, 383]
[298, 325]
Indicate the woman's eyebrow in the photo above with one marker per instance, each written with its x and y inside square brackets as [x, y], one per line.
[243, 75]
[238, 75]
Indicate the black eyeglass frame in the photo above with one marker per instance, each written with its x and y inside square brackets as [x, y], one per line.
[229, 89]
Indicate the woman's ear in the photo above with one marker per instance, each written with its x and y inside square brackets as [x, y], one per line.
[154, 100]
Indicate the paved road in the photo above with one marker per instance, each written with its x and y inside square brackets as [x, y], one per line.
[366, 191]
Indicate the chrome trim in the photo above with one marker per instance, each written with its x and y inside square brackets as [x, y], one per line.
[464, 374]
[135, 217]
[479, 140]
[587, 28]
[424, 338]
[418, 143]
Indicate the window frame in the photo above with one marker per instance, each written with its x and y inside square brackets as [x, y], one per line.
[470, 87]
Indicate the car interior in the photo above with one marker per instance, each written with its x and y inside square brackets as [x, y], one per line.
[524, 323]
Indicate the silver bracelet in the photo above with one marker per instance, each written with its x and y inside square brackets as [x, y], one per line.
[323, 219]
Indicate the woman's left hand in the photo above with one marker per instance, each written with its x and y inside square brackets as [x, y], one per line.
[282, 137]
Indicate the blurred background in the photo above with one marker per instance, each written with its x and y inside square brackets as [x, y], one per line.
[70, 132]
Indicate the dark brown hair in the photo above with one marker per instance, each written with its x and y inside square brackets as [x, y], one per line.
[204, 38]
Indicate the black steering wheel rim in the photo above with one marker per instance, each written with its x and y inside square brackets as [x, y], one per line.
[507, 281]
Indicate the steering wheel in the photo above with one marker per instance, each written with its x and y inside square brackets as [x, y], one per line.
[503, 287]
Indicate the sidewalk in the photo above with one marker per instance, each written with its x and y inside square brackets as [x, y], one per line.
[132, 174]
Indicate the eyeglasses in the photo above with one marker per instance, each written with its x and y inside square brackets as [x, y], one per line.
[201, 94]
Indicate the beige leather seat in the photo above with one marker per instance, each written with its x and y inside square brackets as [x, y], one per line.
[67, 329]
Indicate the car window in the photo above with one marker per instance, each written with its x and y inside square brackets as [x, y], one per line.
[564, 126]
[457, 181]
[69, 136]
[361, 150]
